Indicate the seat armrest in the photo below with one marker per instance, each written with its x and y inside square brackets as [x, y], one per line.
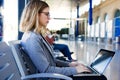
[47, 75]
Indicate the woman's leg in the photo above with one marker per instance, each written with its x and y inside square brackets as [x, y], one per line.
[64, 49]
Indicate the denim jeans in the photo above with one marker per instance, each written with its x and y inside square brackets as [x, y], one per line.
[64, 49]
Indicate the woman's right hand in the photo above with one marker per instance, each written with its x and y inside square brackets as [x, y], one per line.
[82, 68]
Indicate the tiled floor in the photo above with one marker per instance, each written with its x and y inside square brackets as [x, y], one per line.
[86, 51]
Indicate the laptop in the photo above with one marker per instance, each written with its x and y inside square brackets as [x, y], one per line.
[100, 63]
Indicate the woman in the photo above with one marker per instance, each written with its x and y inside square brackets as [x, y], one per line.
[34, 20]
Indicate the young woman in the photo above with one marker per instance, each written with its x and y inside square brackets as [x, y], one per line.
[34, 20]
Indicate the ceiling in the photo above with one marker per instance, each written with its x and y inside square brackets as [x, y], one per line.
[64, 3]
[62, 6]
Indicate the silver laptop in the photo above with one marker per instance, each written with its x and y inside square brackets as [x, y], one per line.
[99, 64]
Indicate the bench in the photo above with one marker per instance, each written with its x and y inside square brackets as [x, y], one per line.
[8, 67]
[26, 67]
[15, 64]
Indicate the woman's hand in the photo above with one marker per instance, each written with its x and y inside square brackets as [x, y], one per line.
[82, 68]
[73, 64]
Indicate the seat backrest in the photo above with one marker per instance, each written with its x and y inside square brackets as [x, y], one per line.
[25, 65]
[8, 67]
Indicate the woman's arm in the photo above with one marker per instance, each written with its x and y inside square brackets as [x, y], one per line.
[42, 59]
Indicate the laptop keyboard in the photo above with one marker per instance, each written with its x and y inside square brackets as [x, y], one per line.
[86, 72]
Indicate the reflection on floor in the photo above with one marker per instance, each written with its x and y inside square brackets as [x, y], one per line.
[86, 51]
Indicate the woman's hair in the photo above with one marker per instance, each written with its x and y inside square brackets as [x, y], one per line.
[29, 19]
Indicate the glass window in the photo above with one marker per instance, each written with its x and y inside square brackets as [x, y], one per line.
[106, 17]
[117, 13]
[98, 20]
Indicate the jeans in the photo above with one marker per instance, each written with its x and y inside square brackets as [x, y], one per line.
[64, 49]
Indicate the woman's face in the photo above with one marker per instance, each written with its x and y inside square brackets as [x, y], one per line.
[44, 17]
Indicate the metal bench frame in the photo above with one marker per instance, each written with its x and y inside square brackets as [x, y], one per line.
[8, 67]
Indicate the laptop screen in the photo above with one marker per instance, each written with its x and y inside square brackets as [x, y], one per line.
[102, 60]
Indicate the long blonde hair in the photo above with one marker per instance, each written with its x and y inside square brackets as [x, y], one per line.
[29, 19]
